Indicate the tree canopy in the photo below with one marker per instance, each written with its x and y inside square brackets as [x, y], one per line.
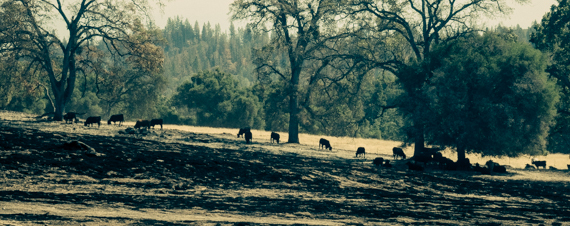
[552, 36]
[26, 35]
[489, 94]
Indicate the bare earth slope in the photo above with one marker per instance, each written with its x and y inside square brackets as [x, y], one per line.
[174, 177]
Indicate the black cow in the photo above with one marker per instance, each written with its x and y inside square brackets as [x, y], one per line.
[539, 163]
[243, 131]
[116, 118]
[70, 116]
[93, 120]
[274, 137]
[248, 137]
[142, 123]
[360, 151]
[378, 161]
[325, 144]
[398, 152]
[155, 122]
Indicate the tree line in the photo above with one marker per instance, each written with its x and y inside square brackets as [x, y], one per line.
[420, 71]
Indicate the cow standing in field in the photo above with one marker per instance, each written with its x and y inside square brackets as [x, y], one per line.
[154, 122]
[539, 164]
[248, 137]
[93, 120]
[116, 118]
[71, 116]
[274, 137]
[360, 151]
[243, 131]
[398, 152]
[142, 123]
[325, 144]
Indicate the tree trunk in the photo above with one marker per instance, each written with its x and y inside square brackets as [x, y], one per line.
[59, 108]
[294, 109]
[419, 140]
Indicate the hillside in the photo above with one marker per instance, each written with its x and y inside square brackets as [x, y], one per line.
[177, 177]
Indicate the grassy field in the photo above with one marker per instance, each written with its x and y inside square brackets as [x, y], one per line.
[207, 176]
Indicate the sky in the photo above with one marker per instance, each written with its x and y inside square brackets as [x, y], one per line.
[217, 12]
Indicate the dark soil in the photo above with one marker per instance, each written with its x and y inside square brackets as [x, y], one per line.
[133, 180]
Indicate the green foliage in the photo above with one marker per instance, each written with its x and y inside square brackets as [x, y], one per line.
[489, 94]
[190, 51]
[20, 90]
[552, 36]
[215, 99]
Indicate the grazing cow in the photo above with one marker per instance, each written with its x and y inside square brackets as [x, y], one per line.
[539, 163]
[93, 120]
[248, 137]
[243, 131]
[387, 164]
[116, 118]
[274, 137]
[529, 166]
[325, 144]
[142, 123]
[414, 166]
[378, 161]
[155, 122]
[70, 116]
[360, 151]
[494, 167]
[398, 152]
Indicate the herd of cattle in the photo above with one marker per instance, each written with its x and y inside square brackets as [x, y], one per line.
[429, 156]
[141, 123]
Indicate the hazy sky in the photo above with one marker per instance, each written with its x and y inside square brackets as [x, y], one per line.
[216, 12]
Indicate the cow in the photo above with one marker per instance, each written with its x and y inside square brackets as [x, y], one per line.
[398, 152]
[378, 161]
[360, 151]
[248, 137]
[539, 163]
[116, 118]
[274, 137]
[528, 166]
[155, 122]
[324, 144]
[243, 131]
[71, 116]
[93, 120]
[142, 123]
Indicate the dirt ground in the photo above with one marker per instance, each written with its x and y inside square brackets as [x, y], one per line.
[198, 176]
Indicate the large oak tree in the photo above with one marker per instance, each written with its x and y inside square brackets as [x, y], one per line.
[406, 31]
[307, 33]
[26, 34]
